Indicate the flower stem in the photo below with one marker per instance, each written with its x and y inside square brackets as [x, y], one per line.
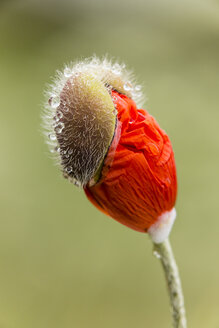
[164, 252]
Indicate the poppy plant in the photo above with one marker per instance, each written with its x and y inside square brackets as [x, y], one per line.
[106, 143]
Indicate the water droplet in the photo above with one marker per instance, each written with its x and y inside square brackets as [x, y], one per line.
[59, 115]
[127, 86]
[114, 98]
[138, 88]
[59, 127]
[67, 72]
[69, 169]
[52, 136]
[57, 149]
[70, 151]
[52, 150]
[55, 102]
[157, 254]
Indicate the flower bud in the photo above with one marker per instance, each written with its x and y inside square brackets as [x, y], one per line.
[116, 151]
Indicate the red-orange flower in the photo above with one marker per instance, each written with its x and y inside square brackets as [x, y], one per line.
[112, 149]
[138, 183]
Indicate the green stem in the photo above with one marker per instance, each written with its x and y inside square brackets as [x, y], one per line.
[164, 252]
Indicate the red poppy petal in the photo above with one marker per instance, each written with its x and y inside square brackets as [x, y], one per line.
[140, 183]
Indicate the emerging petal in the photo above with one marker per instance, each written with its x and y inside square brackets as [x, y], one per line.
[140, 182]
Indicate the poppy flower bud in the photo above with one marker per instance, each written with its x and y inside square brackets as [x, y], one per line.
[116, 151]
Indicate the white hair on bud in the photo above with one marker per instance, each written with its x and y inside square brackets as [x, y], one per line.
[95, 136]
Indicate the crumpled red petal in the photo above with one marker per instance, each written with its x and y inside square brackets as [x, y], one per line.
[140, 182]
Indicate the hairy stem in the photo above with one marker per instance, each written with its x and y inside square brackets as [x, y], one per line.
[164, 252]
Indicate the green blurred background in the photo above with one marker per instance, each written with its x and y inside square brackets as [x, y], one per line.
[62, 263]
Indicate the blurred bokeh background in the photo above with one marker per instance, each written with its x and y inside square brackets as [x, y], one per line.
[62, 263]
